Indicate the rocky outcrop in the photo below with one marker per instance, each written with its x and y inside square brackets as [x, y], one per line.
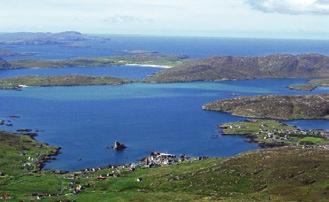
[229, 67]
[275, 107]
[160, 159]
[118, 146]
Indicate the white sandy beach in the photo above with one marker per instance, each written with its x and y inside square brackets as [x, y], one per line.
[149, 65]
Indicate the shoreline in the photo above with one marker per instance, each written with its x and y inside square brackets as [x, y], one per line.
[149, 65]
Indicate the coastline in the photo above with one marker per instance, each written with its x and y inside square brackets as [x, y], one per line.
[150, 65]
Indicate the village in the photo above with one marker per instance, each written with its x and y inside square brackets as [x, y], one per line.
[271, 133]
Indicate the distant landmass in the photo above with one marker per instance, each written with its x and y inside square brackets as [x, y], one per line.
[29, 38]
[248, 67]
[275, 107]
[4, 64]
[9, 53]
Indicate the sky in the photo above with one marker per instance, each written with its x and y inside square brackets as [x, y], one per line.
[229, 18]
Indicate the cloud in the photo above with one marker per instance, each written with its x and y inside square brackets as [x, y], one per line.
[294, 7]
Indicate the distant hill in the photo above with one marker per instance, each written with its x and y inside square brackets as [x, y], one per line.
[229, 67]
[4, 64]
[29, 38]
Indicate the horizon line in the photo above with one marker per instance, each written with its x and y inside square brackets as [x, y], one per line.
[251, 37]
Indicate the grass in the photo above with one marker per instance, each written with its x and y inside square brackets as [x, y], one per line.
[312, 141]
[286, 174]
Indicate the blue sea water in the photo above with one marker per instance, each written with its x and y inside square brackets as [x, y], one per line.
[84, 121]
[195, 47]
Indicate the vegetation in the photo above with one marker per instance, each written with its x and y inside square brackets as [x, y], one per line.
[19, 82]
[248, 177]
[270, 133]
[275, 107]
[138, 58]
[229, 67]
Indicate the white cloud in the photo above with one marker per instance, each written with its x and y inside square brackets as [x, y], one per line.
[320, 7]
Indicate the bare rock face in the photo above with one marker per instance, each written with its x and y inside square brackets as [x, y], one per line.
[118, 146]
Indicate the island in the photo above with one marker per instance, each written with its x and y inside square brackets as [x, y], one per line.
[271, 133]
[247, 67]
[275, 106]
[148, 58]
[274, 174]
[71, 80]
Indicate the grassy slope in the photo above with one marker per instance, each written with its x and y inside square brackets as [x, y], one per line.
[12, 83]
[278, 174]
[285, 174]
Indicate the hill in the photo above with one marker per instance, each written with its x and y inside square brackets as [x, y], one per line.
[275, 106]
[229, 67]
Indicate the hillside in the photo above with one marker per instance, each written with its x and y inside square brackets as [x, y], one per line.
[277, 174]
[275, 107]
[229, 67]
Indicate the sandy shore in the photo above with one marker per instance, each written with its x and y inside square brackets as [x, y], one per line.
[148, 65]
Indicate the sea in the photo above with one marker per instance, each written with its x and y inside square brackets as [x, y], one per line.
[85, 121]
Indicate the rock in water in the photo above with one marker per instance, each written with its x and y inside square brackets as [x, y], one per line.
[119, 146]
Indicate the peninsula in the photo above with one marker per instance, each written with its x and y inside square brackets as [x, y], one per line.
[311, 85]
[271, 133]
[248, 67]
[275, 106]
[73, 80]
